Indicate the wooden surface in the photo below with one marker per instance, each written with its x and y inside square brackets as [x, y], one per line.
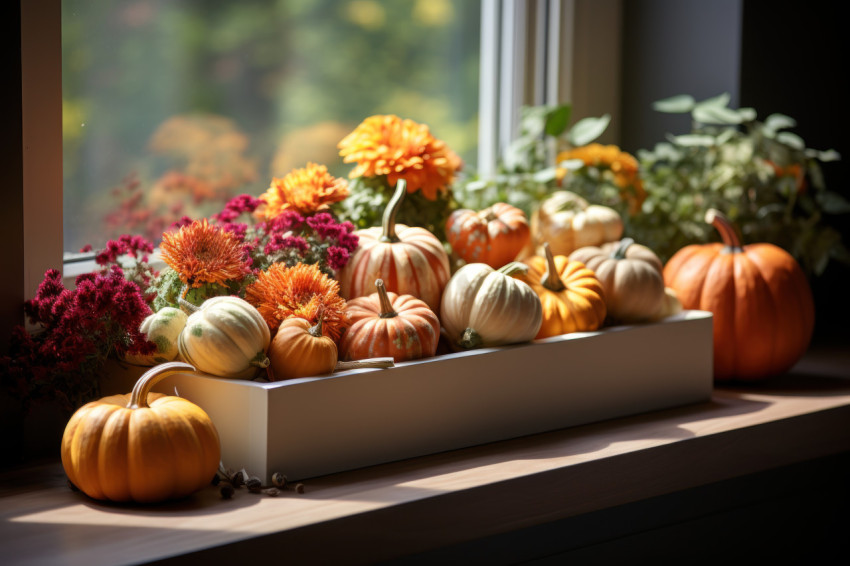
[414, 506]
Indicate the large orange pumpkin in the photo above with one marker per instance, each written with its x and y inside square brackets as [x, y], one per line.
[493, 236]
[143, 447]
[409, 259]
[761, 301]
[388, 325]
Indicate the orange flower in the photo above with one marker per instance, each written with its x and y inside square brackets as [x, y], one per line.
[306, 190]
[623, 166]
[304, 291]
[400, 149]
[203, 253]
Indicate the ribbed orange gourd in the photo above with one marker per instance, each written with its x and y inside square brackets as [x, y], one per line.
[299, 349]
[409, 259]
[631, 275]
[385, 324]
[494, 236]
[143, 447]
[761, 301]
[572, 297]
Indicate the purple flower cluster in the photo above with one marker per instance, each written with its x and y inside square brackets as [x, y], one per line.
[136, 247]
[79, 329]
[290, 237]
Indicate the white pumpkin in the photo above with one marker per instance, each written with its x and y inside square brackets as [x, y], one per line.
[484, 307]
[568, 222]
[163, 328]
[226, 337]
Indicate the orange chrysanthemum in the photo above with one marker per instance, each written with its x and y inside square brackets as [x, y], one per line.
[623, 167]
[202, 253]
[304, 291]
[400, 149]
[306, 190]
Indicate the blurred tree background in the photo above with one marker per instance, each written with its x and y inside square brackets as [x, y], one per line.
[172, 106]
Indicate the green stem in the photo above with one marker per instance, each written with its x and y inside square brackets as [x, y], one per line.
[513, 268]
[620, 252]
[470, 339]
[388, 224]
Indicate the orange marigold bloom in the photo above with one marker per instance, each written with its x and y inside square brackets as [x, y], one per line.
[203, 253]
[623, 166]
[304, 291]
[400, 149]
[306, 190]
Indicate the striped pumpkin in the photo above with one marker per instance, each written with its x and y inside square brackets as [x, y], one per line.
[409, 259]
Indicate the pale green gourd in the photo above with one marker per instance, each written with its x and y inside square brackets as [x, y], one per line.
[163, 328]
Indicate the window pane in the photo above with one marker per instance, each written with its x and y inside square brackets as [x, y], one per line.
[172, 106]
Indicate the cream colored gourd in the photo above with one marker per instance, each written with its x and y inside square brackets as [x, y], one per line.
[485, 307]
[568, 222]
[226, 337]
[631, 275]
[163, 328]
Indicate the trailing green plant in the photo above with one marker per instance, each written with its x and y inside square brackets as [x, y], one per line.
[757, 172]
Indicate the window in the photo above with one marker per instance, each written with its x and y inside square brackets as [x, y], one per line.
[42, 117]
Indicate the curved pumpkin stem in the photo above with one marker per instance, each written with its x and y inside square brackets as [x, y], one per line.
[726, 229]
[620, 252]
[470, 339]
[185, 305]
[388, 222]
[551, 280]
[139, 396]
[387, 310]
[316, 330]
[513, 268]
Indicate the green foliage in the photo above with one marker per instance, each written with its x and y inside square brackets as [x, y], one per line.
[762, 176]
[369, 196]
[526, 172]
[169, 288]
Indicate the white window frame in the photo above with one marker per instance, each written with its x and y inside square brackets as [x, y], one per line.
[529, 50]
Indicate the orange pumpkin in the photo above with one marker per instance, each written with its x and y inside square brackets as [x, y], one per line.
[410, 260]
[143, 447]
[389, 325]
[299, 349]
[493, 236]
[572, 297]
[761, 301]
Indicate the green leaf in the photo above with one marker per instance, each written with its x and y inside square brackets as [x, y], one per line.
[828, 155]
[716, 115]
[833, 203]
[747, 114]
[721, 100]
[571, 164]
[545, 175]
[776, 122]
[694, 140]
[557, 120]
[588, 129]
[679, 104]
[792, 140]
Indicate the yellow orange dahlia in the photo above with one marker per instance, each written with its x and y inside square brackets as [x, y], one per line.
[302, 290]
[400, 149]
[203, 253]
[305, 190]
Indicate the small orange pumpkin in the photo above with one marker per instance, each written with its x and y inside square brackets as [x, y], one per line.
[385, 324]
[572, 297]
[761, 301]
[299, 349]
[494, 236]
[144, 447]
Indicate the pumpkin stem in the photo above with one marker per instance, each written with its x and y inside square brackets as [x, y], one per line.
[387, 310]
[261, 360]
[365, 363]
[139, 396]
[513, 268]
[316, 330]
[620, 252]
[726, 229]
[388, 222]
[551, 280]
[185, 305]
[488, 215]
[470, 339]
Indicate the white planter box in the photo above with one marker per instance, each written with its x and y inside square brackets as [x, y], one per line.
[316, 426]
